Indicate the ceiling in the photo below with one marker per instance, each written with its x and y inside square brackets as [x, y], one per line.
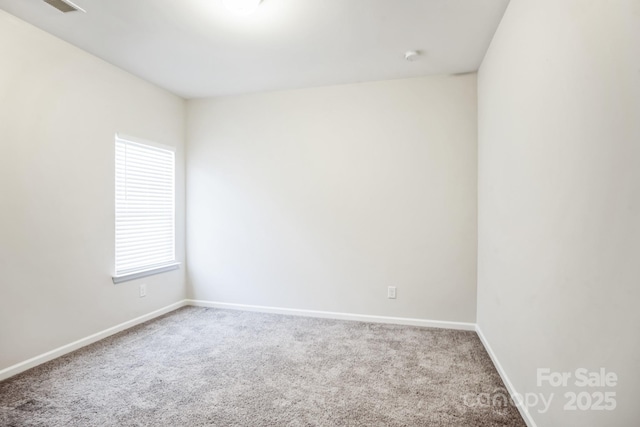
[198, 48]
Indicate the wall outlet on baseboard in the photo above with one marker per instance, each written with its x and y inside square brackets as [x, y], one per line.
[143, 290]
[391, 292]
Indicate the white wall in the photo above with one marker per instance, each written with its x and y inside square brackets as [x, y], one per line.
[559, 198]
[59, 113]
[321, 198]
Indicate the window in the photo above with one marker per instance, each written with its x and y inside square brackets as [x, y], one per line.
[145, 209]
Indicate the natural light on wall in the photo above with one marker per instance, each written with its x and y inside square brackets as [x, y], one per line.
[145, 209]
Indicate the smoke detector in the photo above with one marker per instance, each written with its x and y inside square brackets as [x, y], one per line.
[65, 6]
[411, 55]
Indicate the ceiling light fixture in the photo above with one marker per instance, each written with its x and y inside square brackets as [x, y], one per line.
[242, 7]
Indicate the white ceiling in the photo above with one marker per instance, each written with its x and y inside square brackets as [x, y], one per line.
[197, 48]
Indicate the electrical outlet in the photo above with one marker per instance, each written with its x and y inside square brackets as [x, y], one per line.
[391, 292]
[143, 290]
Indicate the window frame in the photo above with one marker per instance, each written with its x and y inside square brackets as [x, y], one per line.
[151, 269]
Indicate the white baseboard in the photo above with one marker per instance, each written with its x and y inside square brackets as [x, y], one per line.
[505, 379]
[60, 351]
[340, 316]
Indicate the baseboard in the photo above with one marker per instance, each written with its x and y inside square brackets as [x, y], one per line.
[340, 316]
[60, 351]
[505, 379]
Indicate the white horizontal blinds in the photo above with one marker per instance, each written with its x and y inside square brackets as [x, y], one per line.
[145, 201]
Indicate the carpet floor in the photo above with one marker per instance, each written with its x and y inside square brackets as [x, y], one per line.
[211, 367]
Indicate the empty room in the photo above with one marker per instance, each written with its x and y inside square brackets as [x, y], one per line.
[319, 213]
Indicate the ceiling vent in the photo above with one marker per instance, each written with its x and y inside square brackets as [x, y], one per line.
[64, 6]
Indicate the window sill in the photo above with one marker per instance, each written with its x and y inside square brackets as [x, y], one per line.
[144, 273]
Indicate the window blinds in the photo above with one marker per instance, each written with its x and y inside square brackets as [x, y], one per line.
[145, 206]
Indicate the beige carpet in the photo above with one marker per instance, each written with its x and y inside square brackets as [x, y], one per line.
[210, 367]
